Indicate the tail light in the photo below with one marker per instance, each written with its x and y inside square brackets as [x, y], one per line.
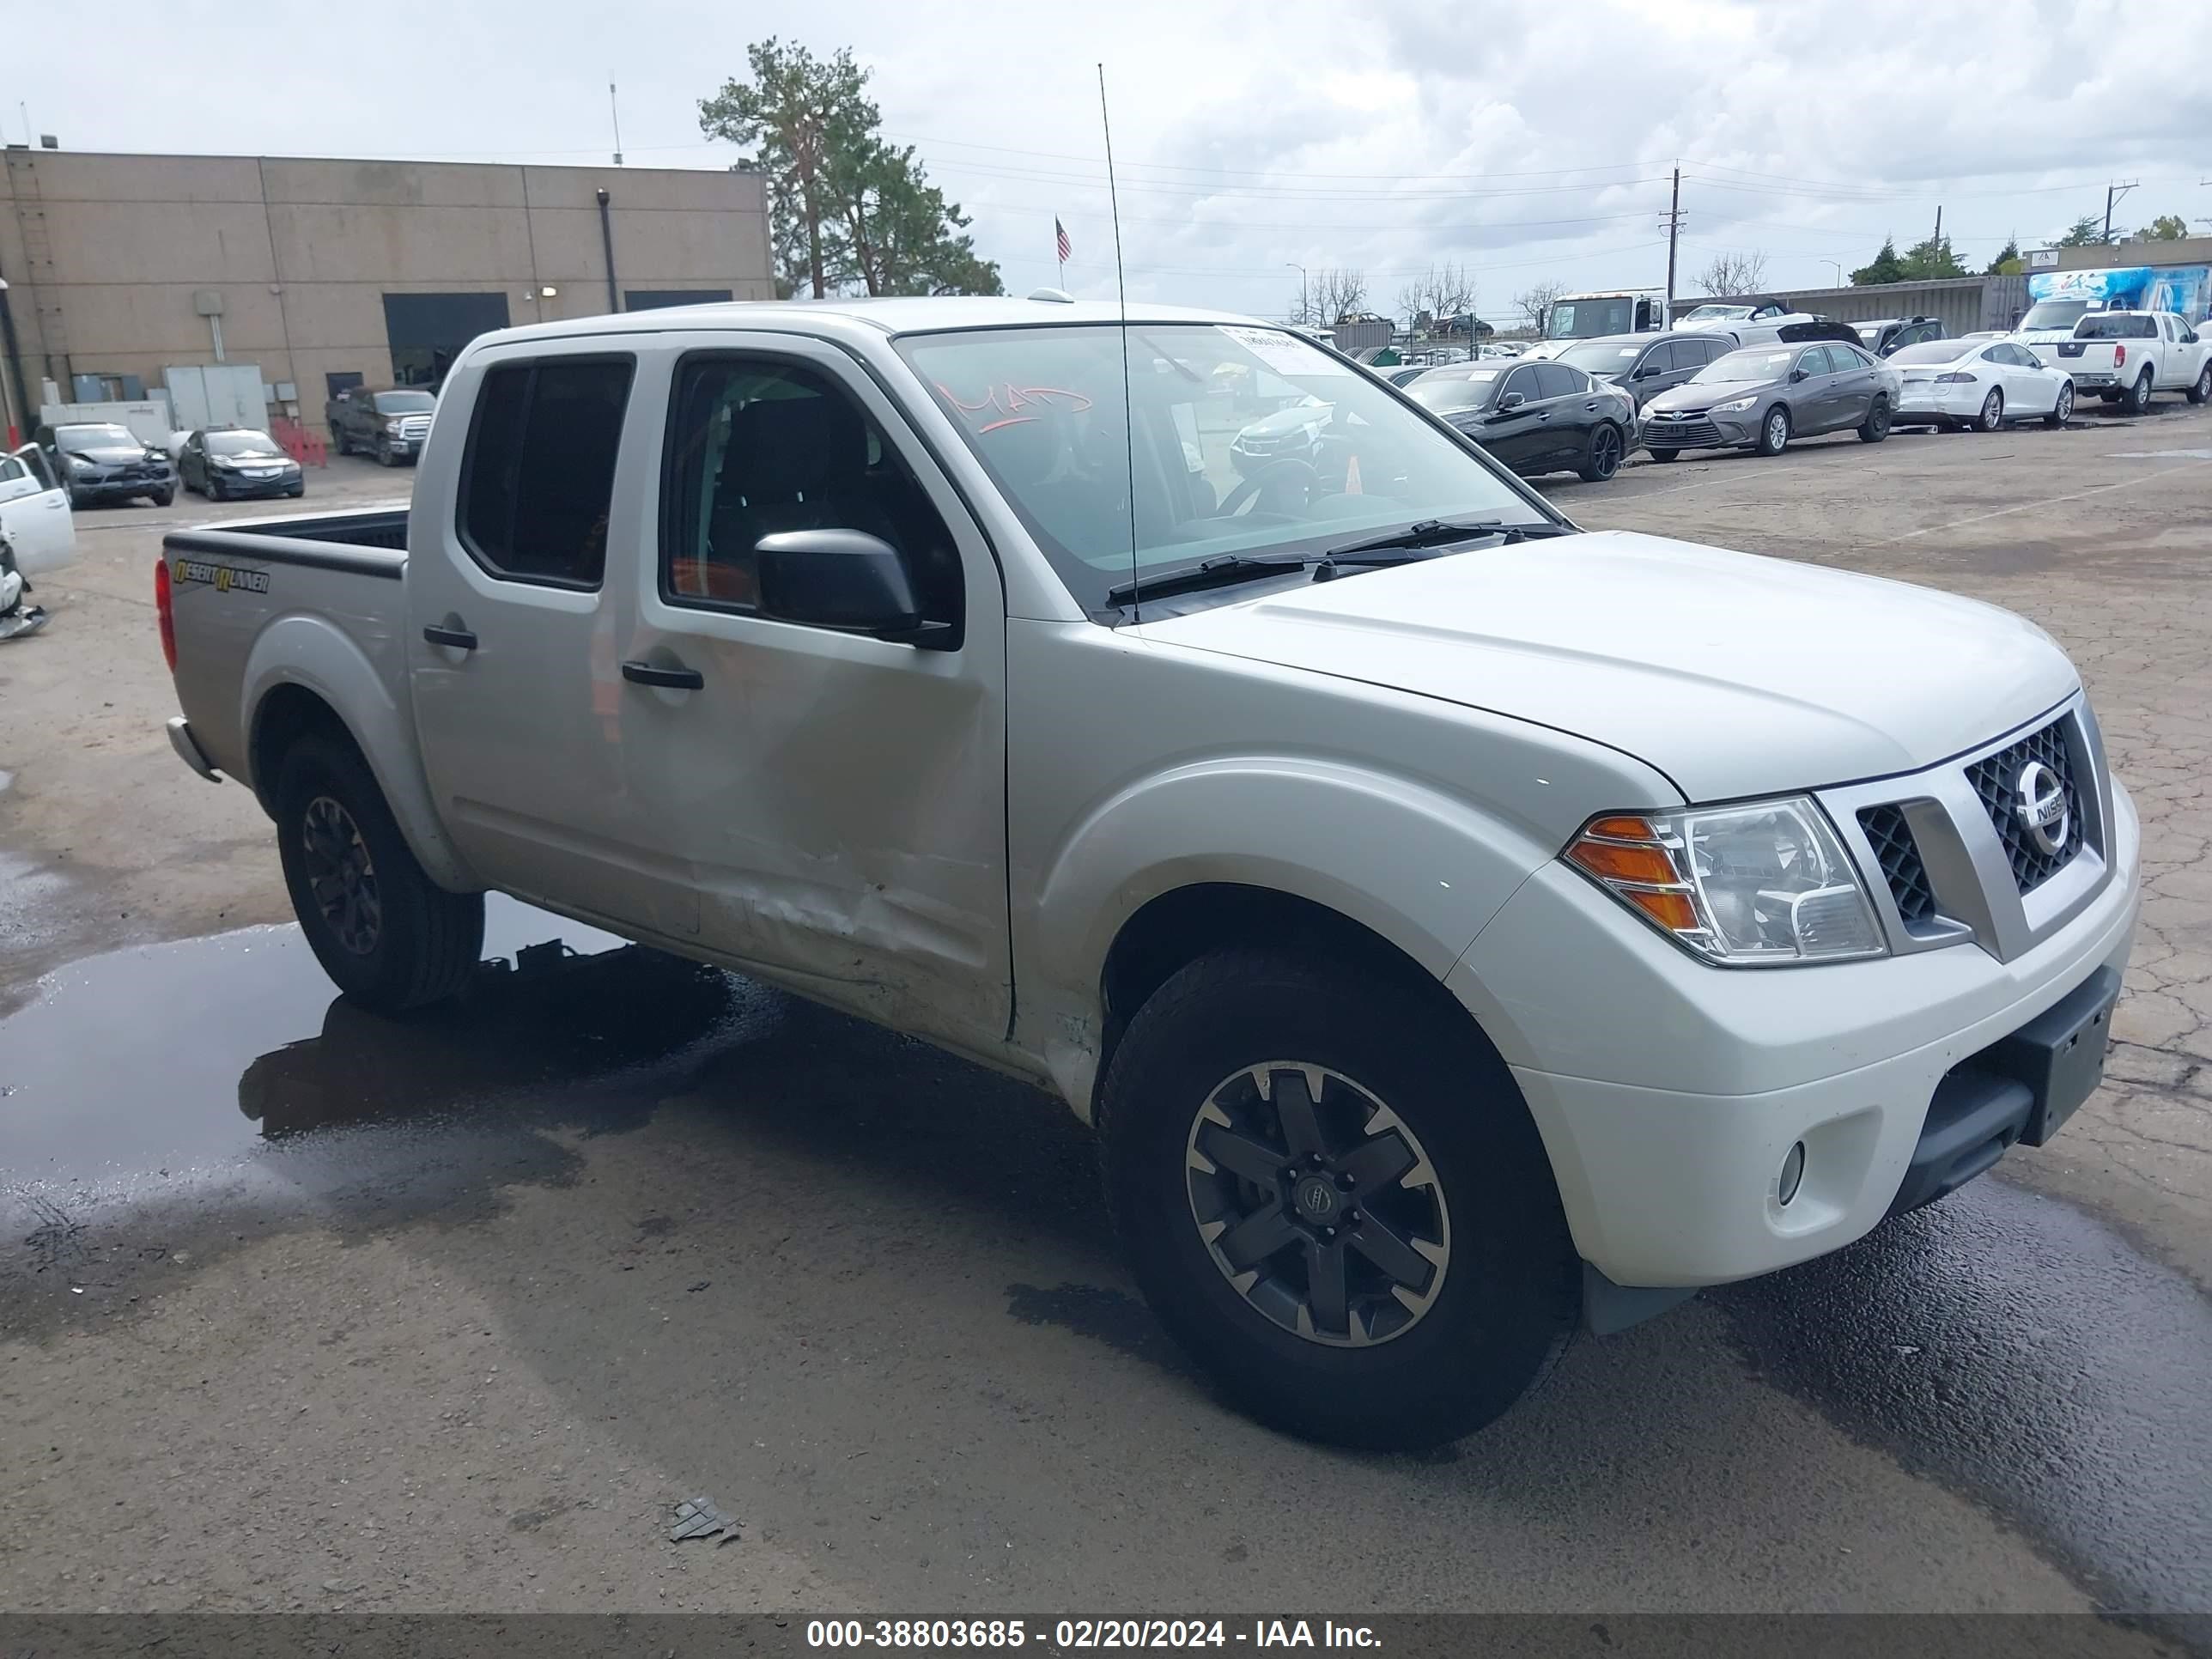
[2120, 355]
[1957, 378]
[167, 615]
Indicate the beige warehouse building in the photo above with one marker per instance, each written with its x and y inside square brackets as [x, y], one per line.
[328, 273]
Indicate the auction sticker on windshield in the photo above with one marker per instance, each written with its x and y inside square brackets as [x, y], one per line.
[1283, 353]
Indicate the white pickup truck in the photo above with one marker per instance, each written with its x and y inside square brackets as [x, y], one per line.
[2124, 357]
[1456, 924]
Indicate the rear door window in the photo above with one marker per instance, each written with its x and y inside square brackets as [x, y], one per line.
[539, 478]
[1558, 380]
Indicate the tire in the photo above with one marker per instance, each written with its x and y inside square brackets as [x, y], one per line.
[1499, 1307]
[1773, 432]
[2200, 389]
[1875, 427]
[162, 497]
[397, 940]
[2108, 397]
[2138, 395]
[2063, 410]
[1601, 453]
[296, 491]
[1991, 419]
[384, 455]
[338, 440]
[1663, 456]
[211, 489]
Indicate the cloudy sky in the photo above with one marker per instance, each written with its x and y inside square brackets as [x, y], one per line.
[1530, 139]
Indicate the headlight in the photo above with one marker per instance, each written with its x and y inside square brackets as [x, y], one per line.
[1733, 404]
[81, 463]
[1762, 885]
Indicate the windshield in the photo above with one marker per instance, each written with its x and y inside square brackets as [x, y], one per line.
[1719, 314]
[1932, 352]
[1607, 358]
[1757, 364]
[96, 437]
[1448, 391]
[1585, 319]
[2055, 313]
[1219, 468]
[403, 403]
[242, 443]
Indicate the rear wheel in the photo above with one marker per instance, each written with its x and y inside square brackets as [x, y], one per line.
[1773, 431]
[1333, 1195]
[1663, 456]
[339, 442]
[2138, 398]
[1602, 454]
[2200, 389]
[385, 933]
[1992, 416]
[2063, 410]
[1875, 427]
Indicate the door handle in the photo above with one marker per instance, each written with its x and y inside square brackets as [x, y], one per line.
[460, 639]
[679, 679]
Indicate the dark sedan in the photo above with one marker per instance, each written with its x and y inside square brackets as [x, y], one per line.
[1534, 417]
[100, 461]
[1645, 365]
[1760, 397]
[232, 462]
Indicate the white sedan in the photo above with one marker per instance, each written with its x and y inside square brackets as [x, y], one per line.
[1977, 384]
[38, 534]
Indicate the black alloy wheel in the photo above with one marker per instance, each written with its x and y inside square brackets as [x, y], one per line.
[342, 875]
[1602, 459]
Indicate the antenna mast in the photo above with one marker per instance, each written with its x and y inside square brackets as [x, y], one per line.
[1128, 406]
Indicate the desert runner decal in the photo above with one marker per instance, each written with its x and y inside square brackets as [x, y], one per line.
[220, 577]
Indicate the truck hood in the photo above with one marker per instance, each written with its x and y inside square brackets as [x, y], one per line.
[1733, 674]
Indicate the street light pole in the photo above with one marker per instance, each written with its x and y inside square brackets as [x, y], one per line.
[1294, 265]
[1838, 264]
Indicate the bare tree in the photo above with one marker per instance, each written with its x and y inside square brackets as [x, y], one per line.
[1536, 301]
[1439, 293]
[1731, 275]
[1337, 295]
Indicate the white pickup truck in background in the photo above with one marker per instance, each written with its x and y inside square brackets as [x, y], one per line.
[1455, 925]
[2124, 357]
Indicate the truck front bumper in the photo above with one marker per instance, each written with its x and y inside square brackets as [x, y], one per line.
[1670, 1093]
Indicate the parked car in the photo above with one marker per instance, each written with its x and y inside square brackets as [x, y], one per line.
[1886, 335]
[2050, 320]
[1980, 384]
[1536, 417]
[392, 422]
[1290, 433]
[225, 463]
[1407, 374]
[1735, 313]
[2124, 357]
[102, 461]
[38, 534]
[1645, 365]
[1759, 398]
[1457, 926]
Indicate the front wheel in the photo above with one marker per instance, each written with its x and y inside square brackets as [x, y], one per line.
[386, 933]
[1333, 1195]
[2138, 398]
[1773, 431]
[1663, 456]
[162, 497]
[2200, 389]
[1992, 418]
[384, 456]
[1601, 455]
[1875, 427]
[2063, 410]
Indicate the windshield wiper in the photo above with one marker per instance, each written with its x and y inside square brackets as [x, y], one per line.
[1218, 572]
[1431, 532]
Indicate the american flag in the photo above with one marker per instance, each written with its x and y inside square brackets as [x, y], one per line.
[1060, 233]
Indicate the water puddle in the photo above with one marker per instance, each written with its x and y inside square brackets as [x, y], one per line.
[133, 1069]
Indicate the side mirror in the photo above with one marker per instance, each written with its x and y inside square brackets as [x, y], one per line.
[1649, 371]
[1797, 374]
[1511, 401]
[843, 578]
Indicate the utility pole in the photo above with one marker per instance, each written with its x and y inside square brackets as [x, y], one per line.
[1303, 318]
[2112, 193]
[1674, 225]
[1938, 242]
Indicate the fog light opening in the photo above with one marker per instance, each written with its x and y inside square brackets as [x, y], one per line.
[1793, 1172]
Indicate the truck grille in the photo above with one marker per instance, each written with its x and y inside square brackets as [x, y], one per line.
[1891, 838]
[1681, 435]
[1996, 780]
[414, 427]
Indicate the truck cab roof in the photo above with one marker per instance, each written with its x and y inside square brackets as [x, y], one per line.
[917, 315]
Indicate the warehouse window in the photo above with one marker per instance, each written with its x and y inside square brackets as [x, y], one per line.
[539, 478]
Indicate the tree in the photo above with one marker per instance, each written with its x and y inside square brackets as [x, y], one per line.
[1438, 294]
[1931, 261]
[2007, 264]
[1887, 267]
[846, 210]
[2167, 227]
[1336, 294]
[1536, 301]
[2088, 231]
[1733, 274]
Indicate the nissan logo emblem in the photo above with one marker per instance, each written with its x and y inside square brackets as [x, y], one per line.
[2038, 800]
